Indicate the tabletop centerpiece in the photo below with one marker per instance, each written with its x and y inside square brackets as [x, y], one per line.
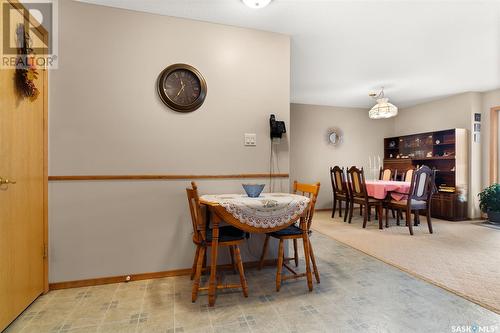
[253, 190]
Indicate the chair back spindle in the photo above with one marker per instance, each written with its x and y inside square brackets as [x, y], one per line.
[356, 182]
[337, 176]
[311, 191]
[385, 174]
[408, 175]
[199, 227]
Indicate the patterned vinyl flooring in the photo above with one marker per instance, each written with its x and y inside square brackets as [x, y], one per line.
[357, 293]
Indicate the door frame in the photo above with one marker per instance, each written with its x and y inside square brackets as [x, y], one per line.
[45, 81]
[494, 144]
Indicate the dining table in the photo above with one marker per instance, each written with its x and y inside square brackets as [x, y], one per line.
[388, 190]
[382, 189]
[266, 213]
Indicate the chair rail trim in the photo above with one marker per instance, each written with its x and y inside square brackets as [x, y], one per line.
[166, 177]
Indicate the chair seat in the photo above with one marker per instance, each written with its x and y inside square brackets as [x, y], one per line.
[415, 204]
[227, 234]
[292, 230]
[341, 196]
[371, 201]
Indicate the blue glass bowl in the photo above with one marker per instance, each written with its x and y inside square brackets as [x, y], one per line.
[253, 190]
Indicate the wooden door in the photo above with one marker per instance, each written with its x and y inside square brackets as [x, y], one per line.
[23, 204]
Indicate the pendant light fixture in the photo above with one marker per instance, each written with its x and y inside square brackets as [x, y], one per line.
[383, 109]
[256, 4]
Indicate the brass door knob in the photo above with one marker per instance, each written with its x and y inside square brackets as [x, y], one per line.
[5, 181]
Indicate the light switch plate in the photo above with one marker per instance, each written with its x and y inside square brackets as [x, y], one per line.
[250, 139]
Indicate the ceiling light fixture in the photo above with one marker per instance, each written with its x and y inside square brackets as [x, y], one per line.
[256, 4]
[383, 109]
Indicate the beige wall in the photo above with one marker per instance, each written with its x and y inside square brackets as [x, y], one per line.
[310, 123]
[450, 112]
[106, 118]
[490, 99]
[310, 154]
[456, 111]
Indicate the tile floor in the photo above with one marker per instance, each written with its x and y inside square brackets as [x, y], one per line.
[357, 294]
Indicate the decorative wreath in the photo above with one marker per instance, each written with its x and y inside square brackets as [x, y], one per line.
[26, 72]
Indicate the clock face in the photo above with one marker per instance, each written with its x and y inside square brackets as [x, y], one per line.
[182, 88]
[334, 138]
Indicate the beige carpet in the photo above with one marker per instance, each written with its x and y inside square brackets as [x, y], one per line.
[462, 257]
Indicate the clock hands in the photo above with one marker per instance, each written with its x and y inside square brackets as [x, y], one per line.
[182, 89]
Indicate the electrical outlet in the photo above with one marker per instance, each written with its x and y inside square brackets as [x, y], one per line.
[250, 139]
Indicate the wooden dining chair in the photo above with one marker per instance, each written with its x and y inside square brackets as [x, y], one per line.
[404, 177]
[419, 197]
[359, 195]
[340, 191]
[228, 236]
[296, 232]
[386, 174]
[408, 175]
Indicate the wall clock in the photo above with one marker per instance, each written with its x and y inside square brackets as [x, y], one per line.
[182, 87]
[334, 136]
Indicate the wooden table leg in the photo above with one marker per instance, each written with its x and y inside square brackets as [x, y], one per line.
[280, 265]
[307, 254]
[380, 213]
[264, 250]
[212, 284]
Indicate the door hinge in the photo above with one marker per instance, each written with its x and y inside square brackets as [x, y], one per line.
[45, 250]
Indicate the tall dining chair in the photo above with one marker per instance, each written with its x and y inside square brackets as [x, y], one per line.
[340, 191]
[359, 195]
[408, 175]
[294, 232]
[419, 197]
[386, 174]
[229, 236]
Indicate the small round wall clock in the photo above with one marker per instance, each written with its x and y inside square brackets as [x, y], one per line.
[182, 87]
[334, 136]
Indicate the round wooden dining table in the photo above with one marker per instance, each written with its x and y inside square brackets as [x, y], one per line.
[267, 213]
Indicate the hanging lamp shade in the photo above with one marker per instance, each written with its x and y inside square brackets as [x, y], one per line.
[383, 109]
[256, 4]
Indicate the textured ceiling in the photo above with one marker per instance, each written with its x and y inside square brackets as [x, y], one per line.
[419, 50]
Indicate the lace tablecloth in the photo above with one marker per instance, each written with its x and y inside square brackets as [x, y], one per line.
[269, 210]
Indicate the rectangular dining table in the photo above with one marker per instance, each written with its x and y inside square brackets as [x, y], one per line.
[382, 189]
[387, 190]
[267, 213]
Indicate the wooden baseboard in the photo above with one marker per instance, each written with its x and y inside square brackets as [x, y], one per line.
[144, 276]
[117, 279]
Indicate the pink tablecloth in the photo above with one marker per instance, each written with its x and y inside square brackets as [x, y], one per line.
[378, 189]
